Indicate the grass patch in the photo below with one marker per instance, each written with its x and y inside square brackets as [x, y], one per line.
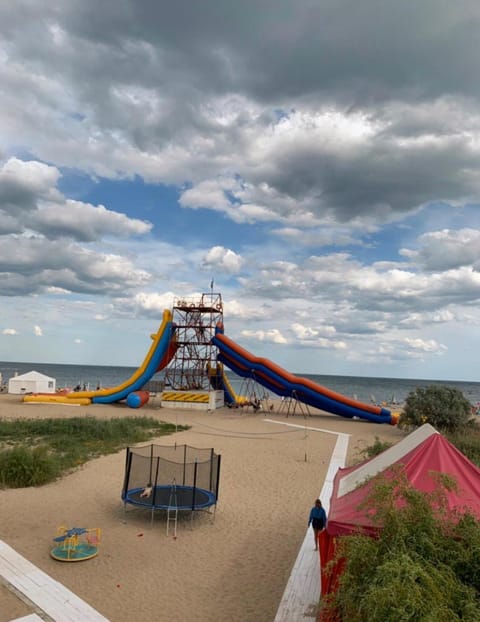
[376, 448]
[26, 466]
[38, 451]
[370, 451]
[467, 441]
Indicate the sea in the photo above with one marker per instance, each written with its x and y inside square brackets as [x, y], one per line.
[389, 391]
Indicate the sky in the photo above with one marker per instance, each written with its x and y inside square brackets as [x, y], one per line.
[318, 159]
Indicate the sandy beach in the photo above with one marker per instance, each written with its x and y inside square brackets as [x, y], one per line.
[233, 565]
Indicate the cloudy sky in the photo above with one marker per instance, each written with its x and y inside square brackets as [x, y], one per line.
[319, 159]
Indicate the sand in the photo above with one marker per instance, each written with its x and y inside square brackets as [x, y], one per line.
[233, 565]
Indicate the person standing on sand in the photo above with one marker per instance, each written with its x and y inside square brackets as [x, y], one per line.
[318, 520]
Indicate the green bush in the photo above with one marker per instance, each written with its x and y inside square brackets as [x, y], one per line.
[445, 408]
[23, 466]
[467, 441]
[423, 566]
[376, 448]
[42, 450]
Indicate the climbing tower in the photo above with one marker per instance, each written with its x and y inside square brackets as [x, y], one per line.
[195, 322]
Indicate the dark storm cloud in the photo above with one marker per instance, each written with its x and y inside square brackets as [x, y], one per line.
[368, 51]
[380, 176]
[127, 87]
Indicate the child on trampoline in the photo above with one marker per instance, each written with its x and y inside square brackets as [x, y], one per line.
[146, 492]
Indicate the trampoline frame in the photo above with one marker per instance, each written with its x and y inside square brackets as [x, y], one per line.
[186, 463]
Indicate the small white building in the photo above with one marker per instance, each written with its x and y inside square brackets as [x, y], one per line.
[31, 382]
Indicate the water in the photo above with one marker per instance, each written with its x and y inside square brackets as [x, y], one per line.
[71, 375]
[391, 389]
[378, 390]
[365, 389]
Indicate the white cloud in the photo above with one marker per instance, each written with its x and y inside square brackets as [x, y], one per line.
[22, 184]
[57, 291]
[38, 332]
[425, 346]
[273, 336]
[32, 265]
[446, 250]
[85, 222]
[247, 311]
[339, 277]
[9, 331]
[31, 201]
[318, 336]
[306, 332]
[222, 259]
[271, 155]
[145, 304]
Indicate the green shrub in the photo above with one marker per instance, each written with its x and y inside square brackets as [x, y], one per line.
[23, 466]
[445, 408]
[47, 448]
[423, 567]
[467, 441]
[376, 448]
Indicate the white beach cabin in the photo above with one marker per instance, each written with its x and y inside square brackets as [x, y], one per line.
[31, 382]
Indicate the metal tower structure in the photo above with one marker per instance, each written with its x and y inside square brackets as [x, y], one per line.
[195, 322]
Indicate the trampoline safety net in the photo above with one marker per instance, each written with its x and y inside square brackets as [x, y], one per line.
[171, 476]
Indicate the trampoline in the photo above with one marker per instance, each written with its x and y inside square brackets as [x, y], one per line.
[183, 497]
[172, 478]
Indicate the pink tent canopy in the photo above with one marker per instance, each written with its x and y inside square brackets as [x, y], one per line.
[421, 453]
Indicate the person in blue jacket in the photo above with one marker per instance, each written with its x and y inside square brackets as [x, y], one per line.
[318, 520]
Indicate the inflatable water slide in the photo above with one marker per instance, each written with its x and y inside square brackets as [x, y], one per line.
[220, 382]
[281, 382]
[161, 352]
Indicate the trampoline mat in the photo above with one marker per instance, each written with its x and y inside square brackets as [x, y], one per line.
[171, 497]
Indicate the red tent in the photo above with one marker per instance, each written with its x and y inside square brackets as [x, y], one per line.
[422, 452]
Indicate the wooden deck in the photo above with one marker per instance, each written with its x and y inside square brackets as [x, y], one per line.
[302, 594]
[53, 601]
